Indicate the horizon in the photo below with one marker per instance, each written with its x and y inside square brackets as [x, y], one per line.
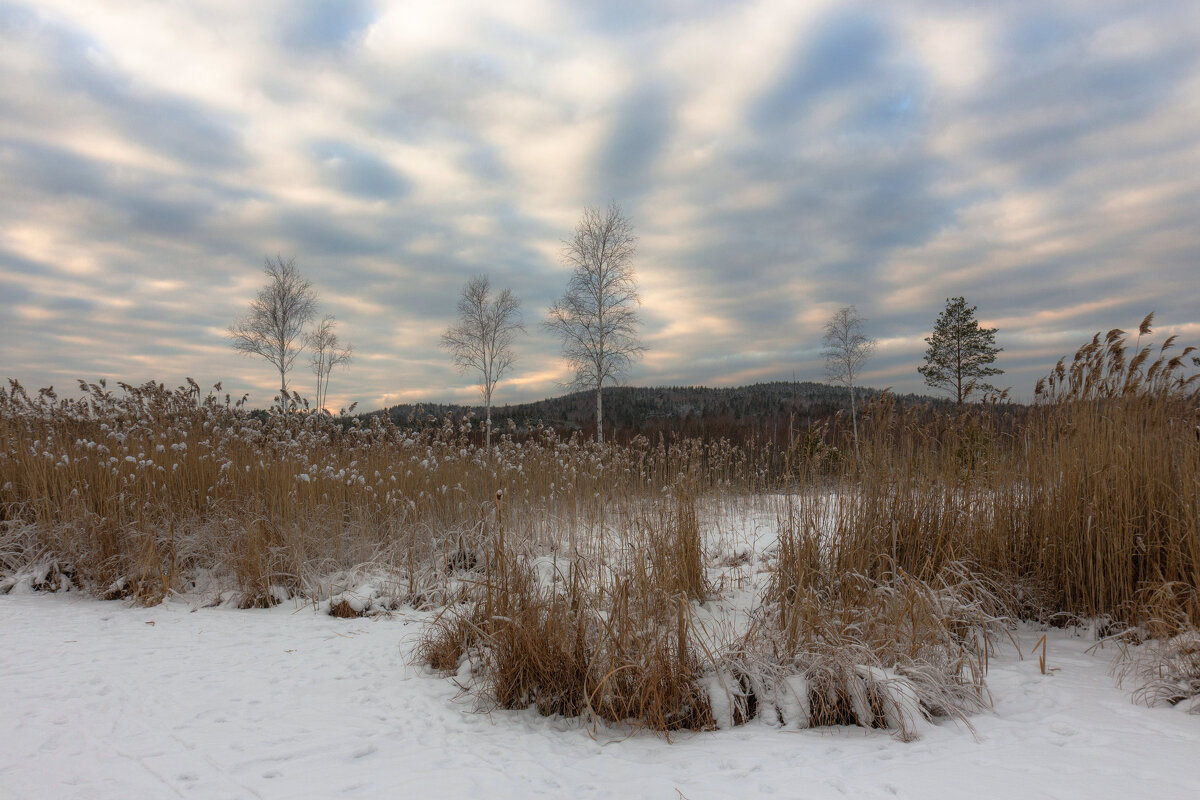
[777, 160]
[569, 392]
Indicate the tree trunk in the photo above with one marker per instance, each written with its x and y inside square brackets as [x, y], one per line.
[599, 414]
[958, 372]
[283, 395]
[487, 437]
[854, 420]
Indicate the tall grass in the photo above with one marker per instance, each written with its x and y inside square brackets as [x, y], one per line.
[577, 578]
[613, 643]
[1089, 506]
[137, 490]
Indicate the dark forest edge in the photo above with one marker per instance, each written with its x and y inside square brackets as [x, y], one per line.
[761, 410]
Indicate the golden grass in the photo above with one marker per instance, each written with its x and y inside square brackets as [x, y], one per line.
[612, 643]
[571, 575]
[143, 487]
[1089, 499]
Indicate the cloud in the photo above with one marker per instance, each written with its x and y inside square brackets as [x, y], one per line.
[845, 50]
[642, 129]
[778, 161]
[358, 172]
[84, 75]
[322, 25]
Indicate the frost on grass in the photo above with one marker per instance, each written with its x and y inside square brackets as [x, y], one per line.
[892, 653]
[26, 566]
[607, 641]
[1166, 671]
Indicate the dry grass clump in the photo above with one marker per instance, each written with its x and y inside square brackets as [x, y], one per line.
[1167, 671]
[669, 538]
[347, 607]
[838, 647]
[1161, 655]
[611, 642]
[616, 639]
[26, 566]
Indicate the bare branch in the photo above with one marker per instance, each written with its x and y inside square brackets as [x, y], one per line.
[274, 324]
[846, 348]
[327, 353]
[482, 338]
[596, 318]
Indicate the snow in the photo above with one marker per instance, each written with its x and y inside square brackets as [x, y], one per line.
[102, 700]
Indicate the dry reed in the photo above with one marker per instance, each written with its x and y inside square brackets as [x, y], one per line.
[606, 635]
[579, 593]
[133, 492]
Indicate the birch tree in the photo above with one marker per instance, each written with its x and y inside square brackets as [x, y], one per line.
[596, 318]
[273, 327]
[327, 353]
[482, 338]
[846, 348]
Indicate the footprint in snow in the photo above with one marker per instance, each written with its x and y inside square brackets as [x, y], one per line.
[1063, 729]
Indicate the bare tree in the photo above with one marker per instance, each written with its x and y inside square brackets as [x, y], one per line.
[327, 353]
[596, 318]
[274, 325]
[481, 340]
[846, 348]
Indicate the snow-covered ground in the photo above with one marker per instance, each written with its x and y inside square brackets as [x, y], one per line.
[101, 700]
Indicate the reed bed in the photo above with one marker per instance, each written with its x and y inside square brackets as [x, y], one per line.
[135, 492]
[581, 579]
[1089, 506]
[612, 644]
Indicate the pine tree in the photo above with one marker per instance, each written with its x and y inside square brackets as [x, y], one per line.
[960, 352]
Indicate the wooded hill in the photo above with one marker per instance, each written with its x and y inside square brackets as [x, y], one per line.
[761, 409]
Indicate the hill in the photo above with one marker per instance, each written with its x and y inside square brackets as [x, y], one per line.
[762, 409]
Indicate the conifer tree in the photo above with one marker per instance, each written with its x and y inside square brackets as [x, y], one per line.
[960, 352]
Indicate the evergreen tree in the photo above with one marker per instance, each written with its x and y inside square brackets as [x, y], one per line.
[960, 352]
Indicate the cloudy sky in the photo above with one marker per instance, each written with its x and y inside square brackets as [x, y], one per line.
[778, 159]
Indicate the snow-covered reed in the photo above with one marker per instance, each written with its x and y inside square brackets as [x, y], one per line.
[577, 577]
[137, 490]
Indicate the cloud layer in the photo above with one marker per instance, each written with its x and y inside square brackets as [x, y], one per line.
[779, 161]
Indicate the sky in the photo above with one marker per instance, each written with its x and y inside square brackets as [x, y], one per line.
[778, 160]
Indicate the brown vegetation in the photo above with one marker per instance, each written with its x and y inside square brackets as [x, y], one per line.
[587, 590]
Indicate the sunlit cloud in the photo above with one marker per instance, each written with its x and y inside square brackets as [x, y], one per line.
[779, 160]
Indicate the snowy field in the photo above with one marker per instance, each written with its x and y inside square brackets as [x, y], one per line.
[100, 700]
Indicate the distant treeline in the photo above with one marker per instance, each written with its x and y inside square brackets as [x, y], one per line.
[762, 410]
